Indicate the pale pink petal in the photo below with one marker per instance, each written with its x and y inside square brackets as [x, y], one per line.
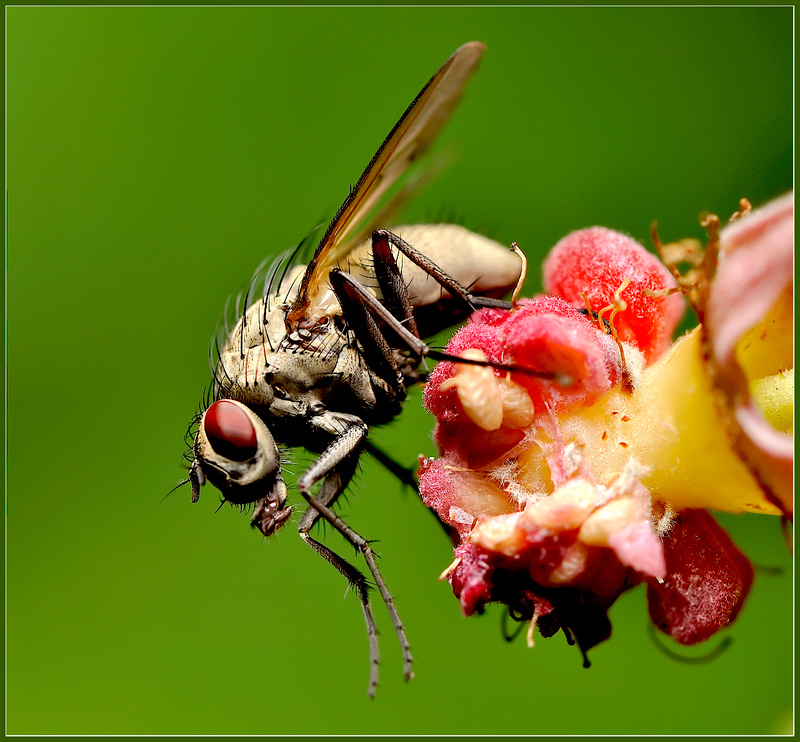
[756, 266]
[639, 548]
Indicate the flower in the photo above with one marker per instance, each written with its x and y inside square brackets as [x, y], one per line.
[565, 487]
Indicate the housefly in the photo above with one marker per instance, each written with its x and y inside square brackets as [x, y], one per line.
[328, 349]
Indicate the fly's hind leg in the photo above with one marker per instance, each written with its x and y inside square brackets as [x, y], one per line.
[382, 239]
[335, 467]
[362, 310]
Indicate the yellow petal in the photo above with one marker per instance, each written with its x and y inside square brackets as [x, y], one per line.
[675, 425]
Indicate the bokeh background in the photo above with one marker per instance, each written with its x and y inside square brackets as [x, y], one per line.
[155, 156]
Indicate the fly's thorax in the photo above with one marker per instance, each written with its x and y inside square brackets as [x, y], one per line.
[259, 348]
[262, 361]
[323, 375]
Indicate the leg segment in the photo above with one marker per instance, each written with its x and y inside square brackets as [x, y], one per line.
[330, 490]
[346, 286]
[361, 320]
[380, 244]
[405, 475]
[392, 285]
[361, 308]
[362, 545]
[335, 467]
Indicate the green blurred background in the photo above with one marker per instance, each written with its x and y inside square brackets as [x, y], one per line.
[155, 156]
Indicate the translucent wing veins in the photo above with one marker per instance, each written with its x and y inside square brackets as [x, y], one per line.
[408, 140]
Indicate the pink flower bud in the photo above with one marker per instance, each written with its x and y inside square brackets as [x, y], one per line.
[594, 263]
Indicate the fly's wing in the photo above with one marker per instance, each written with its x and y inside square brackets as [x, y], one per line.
[407, 141]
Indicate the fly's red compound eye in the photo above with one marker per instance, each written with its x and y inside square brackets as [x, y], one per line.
[230, 432]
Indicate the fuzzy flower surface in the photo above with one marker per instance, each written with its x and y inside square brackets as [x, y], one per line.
[564, 489]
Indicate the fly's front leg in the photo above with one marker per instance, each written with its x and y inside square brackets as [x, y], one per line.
[330, 490]
[335, 467]
[362, 545]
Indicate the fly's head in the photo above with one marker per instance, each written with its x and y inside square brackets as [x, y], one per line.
[235, 451]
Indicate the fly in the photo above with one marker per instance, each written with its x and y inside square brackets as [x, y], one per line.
[329, 349]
